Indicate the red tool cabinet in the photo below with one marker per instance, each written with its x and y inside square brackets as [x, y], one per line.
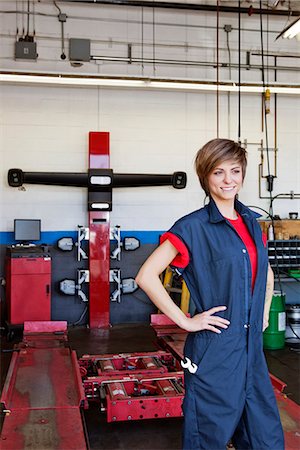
[28, 284]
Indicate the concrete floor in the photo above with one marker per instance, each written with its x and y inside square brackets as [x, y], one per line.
[148, 434]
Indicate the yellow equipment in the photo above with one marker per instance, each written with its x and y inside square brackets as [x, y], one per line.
[168, 280]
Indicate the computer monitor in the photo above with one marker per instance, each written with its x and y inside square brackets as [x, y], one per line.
[27, 230]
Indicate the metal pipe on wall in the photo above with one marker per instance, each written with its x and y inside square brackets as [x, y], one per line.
[213, 64]
[186, 7]
[275, 117]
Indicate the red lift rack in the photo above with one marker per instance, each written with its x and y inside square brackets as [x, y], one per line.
[146, 397]
[134, 386]
[43, 393]
[150, 385]
[108, 366]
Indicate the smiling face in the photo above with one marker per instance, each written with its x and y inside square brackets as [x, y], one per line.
[225, 181]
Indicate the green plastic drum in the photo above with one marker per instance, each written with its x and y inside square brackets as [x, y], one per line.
[274, 335]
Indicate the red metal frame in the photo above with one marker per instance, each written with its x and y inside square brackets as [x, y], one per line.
[43, 392]
[164, 400]
[164, 326]
[277, 384]
[290, 418]
[99, 243]
[136, 386]
[114, 366]
[42, 327]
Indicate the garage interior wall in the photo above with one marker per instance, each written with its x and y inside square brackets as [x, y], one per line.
[45, 128]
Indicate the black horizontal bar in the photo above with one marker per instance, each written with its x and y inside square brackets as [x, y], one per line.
[189, 7]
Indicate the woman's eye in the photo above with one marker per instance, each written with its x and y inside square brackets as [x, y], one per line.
[237, 171]
[218, 172]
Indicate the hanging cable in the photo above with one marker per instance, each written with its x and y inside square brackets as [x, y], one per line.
[264, 103]
[78, 321]
[153, 35]
[227, 29]
[265, 120]
[275, 115]
[17, 20]
[56, 6]
[267, 140]
[23, 19]
[267, 91]
[142, 39]
[218, 93]
[258, 207]
[267, 70]
[28, 16]
[239, 71]
[33, 18]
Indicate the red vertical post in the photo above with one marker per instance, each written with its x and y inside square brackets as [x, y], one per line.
[99, 243]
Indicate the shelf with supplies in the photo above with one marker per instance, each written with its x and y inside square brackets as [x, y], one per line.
[285, 229]
[283, 245]
[287, 254]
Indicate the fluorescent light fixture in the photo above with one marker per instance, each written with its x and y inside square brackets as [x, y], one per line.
[66, 80]
[144, 83]
[291, 30]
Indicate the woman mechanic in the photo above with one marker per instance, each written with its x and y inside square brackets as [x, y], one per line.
[221, 253]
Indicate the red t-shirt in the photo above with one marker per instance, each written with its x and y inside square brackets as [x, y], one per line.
[182, 259]
[246, 237]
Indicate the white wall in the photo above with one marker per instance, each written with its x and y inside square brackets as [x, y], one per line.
[46, 128]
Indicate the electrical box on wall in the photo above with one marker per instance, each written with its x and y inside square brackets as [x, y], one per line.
[25, 50]
[79, 49]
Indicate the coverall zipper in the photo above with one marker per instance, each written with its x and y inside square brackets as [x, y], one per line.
[246, 287]
[246, 291]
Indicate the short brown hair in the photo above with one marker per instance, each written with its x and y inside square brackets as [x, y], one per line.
[215, 152]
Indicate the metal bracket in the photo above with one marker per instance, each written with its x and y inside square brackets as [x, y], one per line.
[115, 234]
[124, 286]
[115, 277]
[83, 234]
[83, 276]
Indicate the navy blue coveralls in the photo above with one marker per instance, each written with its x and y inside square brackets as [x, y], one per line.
[228, 392]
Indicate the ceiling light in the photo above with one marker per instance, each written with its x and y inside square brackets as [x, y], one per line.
[291, 30]
[66, 80]
[144, 83]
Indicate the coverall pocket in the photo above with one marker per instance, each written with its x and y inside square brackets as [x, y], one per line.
[202, 346]
[196, 350]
